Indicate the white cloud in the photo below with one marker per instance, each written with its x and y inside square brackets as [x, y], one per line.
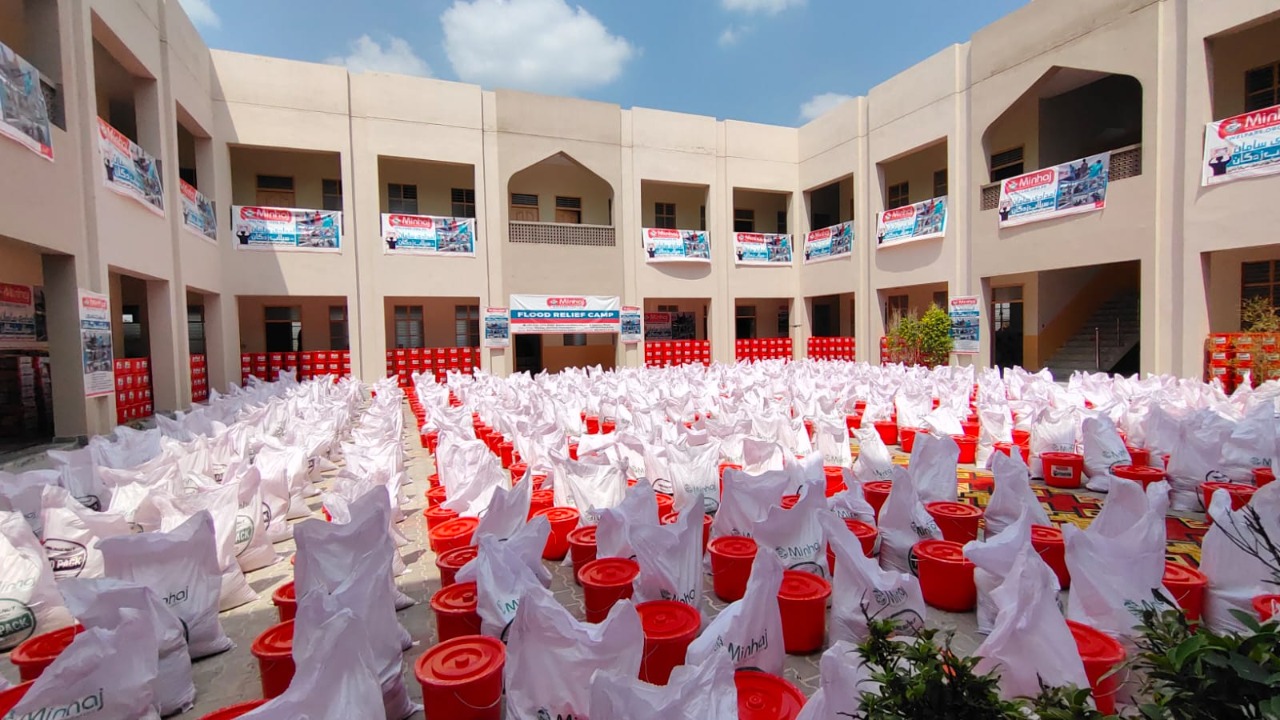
[395, 57]
[768, 7]
[201, 13]
[537, 45]
[732, 35]
[821, 104]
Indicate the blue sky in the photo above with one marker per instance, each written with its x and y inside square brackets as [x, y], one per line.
[771, 61]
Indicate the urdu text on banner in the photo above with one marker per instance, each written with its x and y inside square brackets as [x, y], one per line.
[1079, 186]
[1242, 146]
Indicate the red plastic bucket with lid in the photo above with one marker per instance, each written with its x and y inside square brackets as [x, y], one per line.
[1049, 543]
[455, 611]
[888, 430]
[971, 428]
[853, 422]
[1187, 585]
[582, 548]
[451, 562]
[1021, 437]
[669, 627]
[286, 601]
[9, 698]
[1240, 494]
[518, 469]
[1138, 456]
[1267, 607]
[731, 558]
[433, 480]
[433, 440]
[968, 449]
[907, 437]
[34, 654]
[1008, 449]
[672, 517]
[802, 600]
[274, 651]
[593, 425]
[1100, 653]
[1141, 474]
[604, 582]
[666, 504]
[607, 426]
[437, 516]
[1061, 469]
[436, 496]
[452, 534]
[867, 536]
[727, 466]
[461, 679]
[226, 713]
[958, 521]
[540, 501]
[506, 449]
[573, 451]
[876, 493]
[1262, 476]
[946, 575]
[789, 501]
[762, 696]
[563, 521]
[834, 475]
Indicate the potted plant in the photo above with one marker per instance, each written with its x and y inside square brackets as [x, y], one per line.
[924, 340]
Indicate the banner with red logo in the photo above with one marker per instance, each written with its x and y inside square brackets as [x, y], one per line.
[565, 314]
[17, 315]
[1243, 146]
[268, 228]
[662, 245]
[428, 235]
[920, 221]
[198, 215]
[24, 114]
[95, 344]
[129, 170]
[1079, 186]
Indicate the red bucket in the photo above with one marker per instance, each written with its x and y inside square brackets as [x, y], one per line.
[762, 696]
[1240, 494]
[946, 575]
[1141, 474]
[451, 562]
[455, 611]
[834, 475]
[226, 713]
[731, 558]
[9, 698]
[1100, 653]
[34, 654]
[582, 547]
[274, 650]
[436, 496]
[1062, 470]
[452, 534]
[802, 600]
[853, 422]
[1053, 550]
[461, 679]
[666, 504]
[968, 449]
[541, 500]
[789, 501]
[1008, 449]
[727, 466]
[573, 451]
[433, 480]
[518, 469]
[593, 425]
[1267, 607]
[1138, 456]
[604, 582]
[1187, 586]
[506, 449]
[607, 426]
[672, 518]
[433, 440]
[1262, 476]
[669, 627]
[971, 428]
[437, 516]
[286, 601]
[563, 521]
[867, 536]
[907, 438]
[888, 430]
[876, 492]
[1021, 437]
[958, 521]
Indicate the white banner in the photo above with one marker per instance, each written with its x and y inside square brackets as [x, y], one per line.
[428, 235]
[762, 248]
[921, 221]
[1079, 186]
[662, 245]
[555, 314]
[95, 344]
[829, 243]
[130, 170]
[198, 214]
[24, 115]
[632, 328]
[1243, 146]
[497, 327]
[268, 228]
[965, 332]
[17, 315]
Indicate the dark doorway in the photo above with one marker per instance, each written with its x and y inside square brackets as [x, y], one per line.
[529, 353]
[1007, 328]
[283, 330]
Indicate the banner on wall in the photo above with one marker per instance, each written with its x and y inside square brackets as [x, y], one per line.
[662, 245]
[129, 170]
[17, 315]
[1242, 146]
[921, 221]
[428, 235]
[556, 314]
[762, 248]
[631, 328]
[95, 344]
[965, 332]
[1079, 186]
[829, 243]
[497, 327]
[24, 115]
[657, 326]
[198, 214]
[268, 228]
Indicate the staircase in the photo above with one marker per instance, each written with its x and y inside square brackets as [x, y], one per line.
[1121, 312]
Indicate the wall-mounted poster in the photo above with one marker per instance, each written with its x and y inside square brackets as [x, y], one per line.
[657, 326]
[762, 248]
[559, 314]
[198, 215]
[632, 329]
[428, 235]
[1242, 146]
[829, 243]
[921, 221]
[662, 245]
[965, 332]
[1079, 186]
[497, 327]
[95, 344]
[17, 315]
[24, 114]
[268, 228]
[129, 170]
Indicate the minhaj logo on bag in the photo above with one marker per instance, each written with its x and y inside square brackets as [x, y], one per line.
[17, 623]
[176, 597]
[545, 714]
[798, 552]
[244, 533]
[67, 558]
[91, 703]
[738, 653]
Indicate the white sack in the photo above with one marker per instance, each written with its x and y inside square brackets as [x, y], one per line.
[861, 588]
[749, 630]
[29, 600]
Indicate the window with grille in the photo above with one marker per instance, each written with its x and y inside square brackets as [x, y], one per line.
[744, 221]
[464, 202]
[1002, 301]
[1006, 164]
[332, 192]
[940, 183]
[896, 306]
[1262, 87]
[524, 200]
[1260, 279]
[275, 182]
[402, 199]
[782, 221]
[408, 321]
[668, 308]
[338, 328]
[898, 196]
[466, 325]
[195, 329]
[664, 215]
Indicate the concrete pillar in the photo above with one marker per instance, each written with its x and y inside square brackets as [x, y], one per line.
[1163, 285]
[169, 390]
[720, 226]
[217, 353]
[866, 303]
[74, 415]
[491, 233]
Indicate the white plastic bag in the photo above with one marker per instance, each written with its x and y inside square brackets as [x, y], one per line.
[21, 493]
[831, 436]
[861, 588]
[1103, 450]
[795, 535]
[993, 560]
[253, 516]
[695, 692]
[613, 531]
[1197, 458]
[746, 501]
[903, 523]
[1235, 576]
[842, 678]
[502, 576]
[749, 630]
[933, 467]
[694, 476]
[588, 487]
[851, 503]
[551, 657]
[508, 510]
[1251, 445]
[470, 474]
[181, 568]
[1012, 495]
[29, 600]
[670, 559]
[874, 461]
[80, 477]
[72, 532]
[1053, 431]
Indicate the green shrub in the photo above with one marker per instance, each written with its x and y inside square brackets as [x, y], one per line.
[921, 340]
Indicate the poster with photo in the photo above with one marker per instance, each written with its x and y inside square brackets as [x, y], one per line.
[269, 228]
[829, 243]
[17, 315]
[663, 246]
[497, 327]
[95, 344]
[632, 328]
[921, 221]
[1242, 146]
[657, 326]
[129, 170]
[198, 214]
[965, 329]
[1079, 186]
[762, 248]
[24, 113]
[428, 235]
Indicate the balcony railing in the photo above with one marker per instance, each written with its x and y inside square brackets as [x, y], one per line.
[536, 233]
[1126, 162]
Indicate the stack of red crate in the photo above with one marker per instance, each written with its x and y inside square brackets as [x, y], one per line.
[1233, 356]
[199, 379]
[307, 365]
[884, 351]
[755, 349]
[832, 348]
[663, 353]
[402, 363]
[133, 389]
